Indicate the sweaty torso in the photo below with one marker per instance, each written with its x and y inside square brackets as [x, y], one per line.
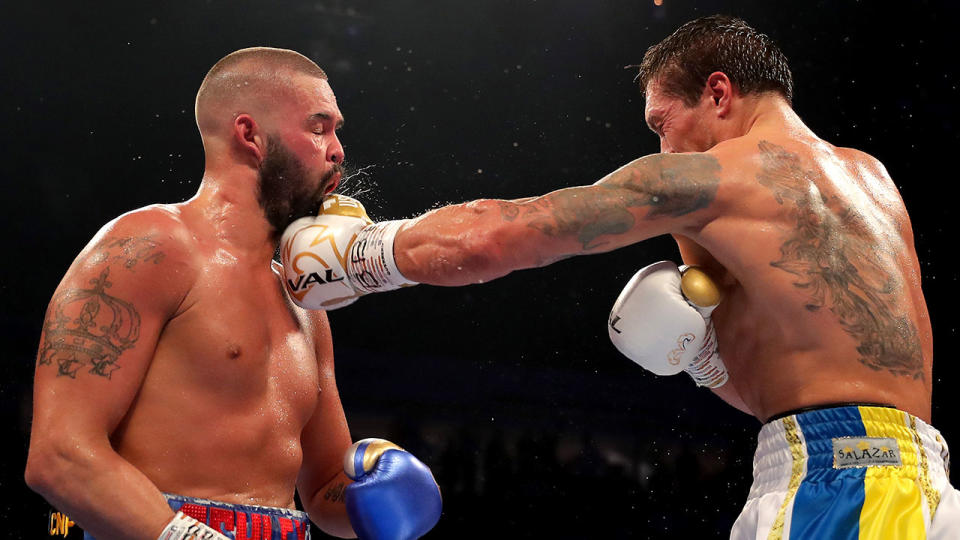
[822, 285]
[232, 383]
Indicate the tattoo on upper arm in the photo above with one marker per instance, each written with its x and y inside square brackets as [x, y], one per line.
[838, 265]
[89, 328]
[668, 185]
[674, 184]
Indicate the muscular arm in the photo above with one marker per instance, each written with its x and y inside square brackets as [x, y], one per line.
[486, 239]
[97, 343]
[325, 438]
[483, 240]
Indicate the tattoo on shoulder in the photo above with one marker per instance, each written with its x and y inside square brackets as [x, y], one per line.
[839, 268]
[88, 328]
[127, 251]
[670, 186]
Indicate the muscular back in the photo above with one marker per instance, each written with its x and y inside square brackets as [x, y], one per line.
[823, 301]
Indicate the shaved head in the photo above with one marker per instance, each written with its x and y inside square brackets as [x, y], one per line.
[272, 111]
[248, 80]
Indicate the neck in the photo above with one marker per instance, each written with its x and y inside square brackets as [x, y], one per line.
[227, 201]
[771, 111]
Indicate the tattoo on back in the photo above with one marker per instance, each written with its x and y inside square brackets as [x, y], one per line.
[89, 328]
[669, 185]
[840, 267]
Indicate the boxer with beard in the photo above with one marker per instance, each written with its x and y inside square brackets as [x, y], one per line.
[179, 393]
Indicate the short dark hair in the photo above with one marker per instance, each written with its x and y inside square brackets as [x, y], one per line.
[247, 72]
[682, 62]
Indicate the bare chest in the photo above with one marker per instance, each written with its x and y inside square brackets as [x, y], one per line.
[240, 340]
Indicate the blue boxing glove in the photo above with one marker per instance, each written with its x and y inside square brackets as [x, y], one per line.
[394, 495]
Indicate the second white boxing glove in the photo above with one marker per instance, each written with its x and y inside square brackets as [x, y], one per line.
[654, 324]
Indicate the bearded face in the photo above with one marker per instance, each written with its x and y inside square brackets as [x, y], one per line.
[286, 190]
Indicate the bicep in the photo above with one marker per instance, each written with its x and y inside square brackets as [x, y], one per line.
[649, 197]
[100, 331]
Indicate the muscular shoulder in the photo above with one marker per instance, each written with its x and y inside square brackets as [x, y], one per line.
[866, 166]
[150, 247]
[861, 158]
[156, 219]
[756, 167]
[154, 233]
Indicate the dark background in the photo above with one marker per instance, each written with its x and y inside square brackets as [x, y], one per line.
[533, 424]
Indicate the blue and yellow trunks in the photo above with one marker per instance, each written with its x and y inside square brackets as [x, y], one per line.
[243, 522]
[854, 472]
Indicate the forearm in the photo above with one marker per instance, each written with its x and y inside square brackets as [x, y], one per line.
[729, 394]
[99, 490]
[483, 240]
[327, 507]
[474, 242]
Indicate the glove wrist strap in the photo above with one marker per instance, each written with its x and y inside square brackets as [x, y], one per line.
[372, 267]
[708, 368]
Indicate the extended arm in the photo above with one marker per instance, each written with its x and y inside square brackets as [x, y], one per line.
[482, 240]
[98, 339]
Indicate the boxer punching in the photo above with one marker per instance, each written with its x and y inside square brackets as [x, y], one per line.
[169, 403]
[800, 300]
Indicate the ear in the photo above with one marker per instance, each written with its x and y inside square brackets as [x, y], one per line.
[721, 92]
[248, 136]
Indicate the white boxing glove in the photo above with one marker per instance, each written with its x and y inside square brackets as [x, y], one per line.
[338, 256]
[662, 322]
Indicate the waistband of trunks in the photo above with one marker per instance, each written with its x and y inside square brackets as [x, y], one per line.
[245, 522]
[848, 437]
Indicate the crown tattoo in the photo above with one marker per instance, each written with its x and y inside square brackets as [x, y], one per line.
[88, 327]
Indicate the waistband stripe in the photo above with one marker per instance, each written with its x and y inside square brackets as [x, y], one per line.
[245, 522]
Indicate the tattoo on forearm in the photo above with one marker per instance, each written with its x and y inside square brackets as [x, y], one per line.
[88, 328]
[571, 213]
[126, 251]
[336, 493]
[668, 185]
[840, 267]
[509, 211]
